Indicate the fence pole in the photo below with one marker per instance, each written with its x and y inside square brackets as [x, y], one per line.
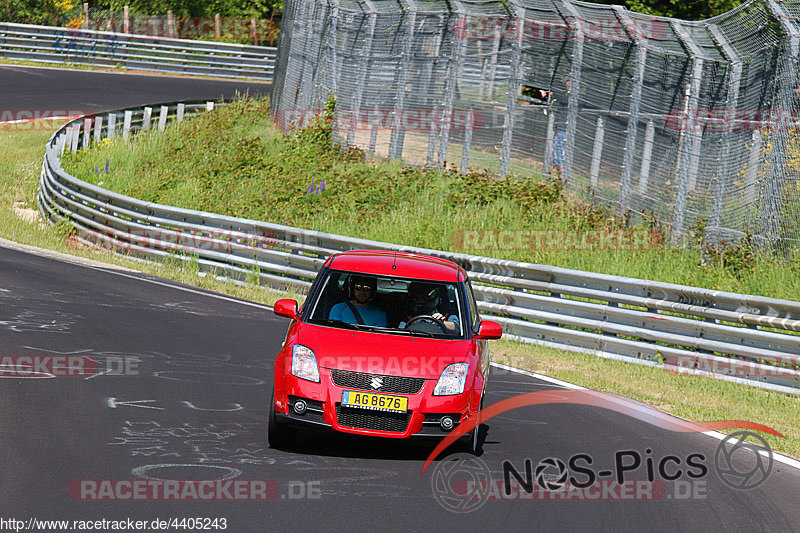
[217, 26]
[454, 69]
[597, 153]
[787, 81]
[126, 20]
[713, 229]
[398, 133]
[691, 134]
[633, 118]
[181, 111]
[254, 30]
[467, 142]
[752, 169]
[334, 48]
[647, 154]
[574, 89]
[432, 138]
[513, 88]
[548, 141]
[170, 24]
[493, 60]
[85, 16]
[366, 51]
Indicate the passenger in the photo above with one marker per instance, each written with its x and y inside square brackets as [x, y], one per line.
[424, 300]
[358, 309]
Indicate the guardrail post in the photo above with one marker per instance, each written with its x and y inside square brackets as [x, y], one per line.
[513, 88]
[98, 129]
[162, 118]
[454, 68]
[76, 133]
[398, 132]
[87, 132]
[467, 142]
[146, 116]
[633, 117]
[573, 101]
[112, 125]
[126, 125]
[713, 229]
[751, 186]
[647, 154]
[689, 133]
[181, 110]
[597, 153]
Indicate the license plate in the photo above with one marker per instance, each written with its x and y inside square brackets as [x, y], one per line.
[375, 402]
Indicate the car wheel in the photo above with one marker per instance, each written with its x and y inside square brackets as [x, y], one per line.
[470, 441]
[279, 435]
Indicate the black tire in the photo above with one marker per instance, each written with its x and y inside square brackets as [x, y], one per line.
[470, 441]
[279, 435]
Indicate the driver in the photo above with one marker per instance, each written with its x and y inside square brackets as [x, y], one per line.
[362, 290]
[423, 300]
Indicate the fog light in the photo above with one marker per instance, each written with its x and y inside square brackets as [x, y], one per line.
[300, 407]
[447, 423]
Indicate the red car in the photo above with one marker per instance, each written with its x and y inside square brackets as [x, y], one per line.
[387, 344]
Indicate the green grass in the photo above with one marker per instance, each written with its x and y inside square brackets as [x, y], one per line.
[236, 162]
[209, 163]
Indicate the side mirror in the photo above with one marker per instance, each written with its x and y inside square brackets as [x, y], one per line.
[489, 330]
[286, 308]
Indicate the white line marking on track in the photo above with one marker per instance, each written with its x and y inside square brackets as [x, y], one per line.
[785, 459]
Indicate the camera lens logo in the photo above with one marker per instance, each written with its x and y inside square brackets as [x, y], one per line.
[740, 464]
[551, 474]
[461, 470]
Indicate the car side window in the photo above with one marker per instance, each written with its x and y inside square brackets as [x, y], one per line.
[473, 307]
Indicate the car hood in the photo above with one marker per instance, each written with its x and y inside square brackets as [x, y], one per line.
[382, 353]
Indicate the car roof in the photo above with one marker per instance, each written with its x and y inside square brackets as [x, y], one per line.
[400, 264]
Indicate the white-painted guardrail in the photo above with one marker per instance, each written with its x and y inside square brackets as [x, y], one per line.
[49, 44]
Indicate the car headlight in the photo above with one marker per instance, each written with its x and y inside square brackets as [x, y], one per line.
[452, 380]
[304, 363]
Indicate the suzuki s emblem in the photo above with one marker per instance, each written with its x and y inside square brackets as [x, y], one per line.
[376, 383]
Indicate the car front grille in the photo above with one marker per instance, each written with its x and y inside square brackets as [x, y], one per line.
[364, 381]
[366, 419]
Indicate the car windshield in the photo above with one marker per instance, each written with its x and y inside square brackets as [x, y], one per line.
[387, 304]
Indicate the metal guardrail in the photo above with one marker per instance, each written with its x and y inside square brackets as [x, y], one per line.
[729, 336]
[109, 49]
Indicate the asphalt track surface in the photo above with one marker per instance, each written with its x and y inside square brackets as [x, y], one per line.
[193, 405]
